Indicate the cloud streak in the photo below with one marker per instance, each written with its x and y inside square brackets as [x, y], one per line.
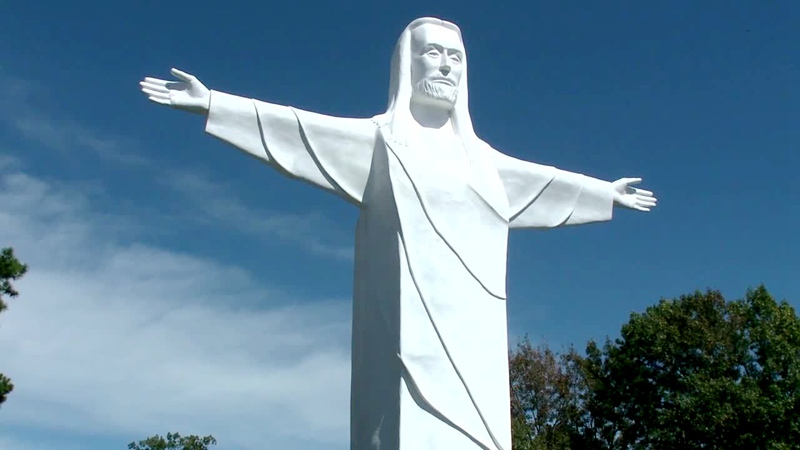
[65, 135]
[212, 200]
[18, 110]
[123, 339]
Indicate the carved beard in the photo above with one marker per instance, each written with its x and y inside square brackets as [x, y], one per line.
[437, 92]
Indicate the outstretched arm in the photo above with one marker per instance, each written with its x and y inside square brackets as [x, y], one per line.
[546, 197]
[330, 152]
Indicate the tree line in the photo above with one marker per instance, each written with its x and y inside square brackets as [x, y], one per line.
[694, 372]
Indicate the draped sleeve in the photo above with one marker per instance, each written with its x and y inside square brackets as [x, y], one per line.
[546, 197]
[332, 153]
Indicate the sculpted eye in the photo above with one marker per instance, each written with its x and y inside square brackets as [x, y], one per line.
[455, 58]
[432, 53]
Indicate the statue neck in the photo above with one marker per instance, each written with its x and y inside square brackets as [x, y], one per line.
[432, 117]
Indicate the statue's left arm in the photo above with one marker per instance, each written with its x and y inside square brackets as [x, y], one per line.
[542, 196]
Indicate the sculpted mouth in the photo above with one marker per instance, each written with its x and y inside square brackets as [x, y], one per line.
[443, 81]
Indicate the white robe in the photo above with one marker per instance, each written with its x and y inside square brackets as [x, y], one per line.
[429, 344]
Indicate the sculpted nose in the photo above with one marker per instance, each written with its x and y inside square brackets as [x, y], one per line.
[445, 69]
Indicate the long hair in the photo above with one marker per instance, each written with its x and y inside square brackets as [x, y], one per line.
[398, 112]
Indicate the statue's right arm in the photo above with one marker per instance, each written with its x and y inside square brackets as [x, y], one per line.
[330, 152]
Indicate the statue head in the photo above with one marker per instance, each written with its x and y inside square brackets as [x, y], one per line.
[429, 66]
[437, 56]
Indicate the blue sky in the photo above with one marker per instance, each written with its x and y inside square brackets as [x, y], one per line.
[178, 285]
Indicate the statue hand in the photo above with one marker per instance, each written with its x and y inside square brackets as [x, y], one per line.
[631, 197]
[189, 94]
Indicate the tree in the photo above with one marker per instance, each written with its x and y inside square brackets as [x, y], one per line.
[11, 269]
[697, 372]
[545, 396]
[174, 441]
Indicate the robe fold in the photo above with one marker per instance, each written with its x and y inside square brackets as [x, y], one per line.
[429, 343]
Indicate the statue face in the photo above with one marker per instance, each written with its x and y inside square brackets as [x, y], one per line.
[436, 65]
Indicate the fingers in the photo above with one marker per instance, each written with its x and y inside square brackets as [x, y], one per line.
[154, 81]
[644, 203]
[639, 202]
[182, 75]
[164, 86]
[642, 192]
[156, 90]
[159, 91]
[632, 180]
[646, 200]
[159, 100]
[154, 93]
[153, 87]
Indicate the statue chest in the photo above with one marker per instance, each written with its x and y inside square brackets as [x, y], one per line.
[446, 174]
[439, 209]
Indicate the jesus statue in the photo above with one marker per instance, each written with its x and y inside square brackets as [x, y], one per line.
[429, 343]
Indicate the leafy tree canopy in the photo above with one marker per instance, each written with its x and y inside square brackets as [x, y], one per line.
[545, 390]
[11, 269]
[696, 372]
[174, 441]
[699, 372]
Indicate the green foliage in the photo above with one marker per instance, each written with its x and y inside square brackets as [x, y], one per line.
[6, 386]
[174, 441]
[545, 391]
[698, 372]
[11, 269]
[695, 372]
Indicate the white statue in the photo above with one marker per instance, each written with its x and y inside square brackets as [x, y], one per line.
[429, 344]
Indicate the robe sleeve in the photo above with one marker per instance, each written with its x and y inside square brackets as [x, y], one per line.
[330, 152]
[546, 197]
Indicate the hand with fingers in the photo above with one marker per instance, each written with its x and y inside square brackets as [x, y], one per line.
[188, 94]
[631, 197]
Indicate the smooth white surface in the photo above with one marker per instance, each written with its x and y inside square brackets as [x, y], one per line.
[429, 362]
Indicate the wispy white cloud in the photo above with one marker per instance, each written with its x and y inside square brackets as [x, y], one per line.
[214, 201]
[31, 443]
[131, 340]
[18, 109]
[67, 135]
